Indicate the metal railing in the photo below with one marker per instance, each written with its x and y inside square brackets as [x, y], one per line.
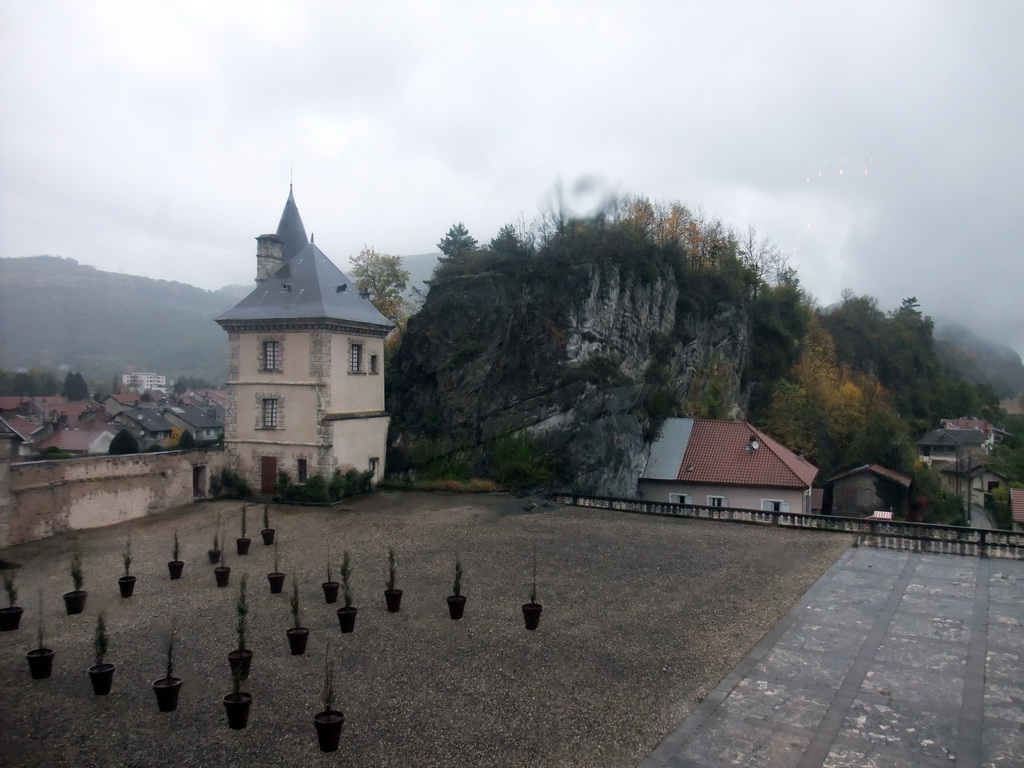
[884, 534]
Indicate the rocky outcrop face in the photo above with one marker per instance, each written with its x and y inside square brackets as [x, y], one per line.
[588, 364]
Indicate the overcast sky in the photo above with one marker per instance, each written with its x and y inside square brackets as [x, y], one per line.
[879, 143]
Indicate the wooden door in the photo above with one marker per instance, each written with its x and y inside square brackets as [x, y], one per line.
[268, 474]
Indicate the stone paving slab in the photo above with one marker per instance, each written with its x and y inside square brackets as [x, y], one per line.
[891, 659]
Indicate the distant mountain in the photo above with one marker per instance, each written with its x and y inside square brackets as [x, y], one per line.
[55, 311]
[978, 360]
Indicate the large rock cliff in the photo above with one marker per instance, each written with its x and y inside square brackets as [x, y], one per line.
[588, 362]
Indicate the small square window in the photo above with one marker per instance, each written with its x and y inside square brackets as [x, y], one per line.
[271, 356]
[270, 413]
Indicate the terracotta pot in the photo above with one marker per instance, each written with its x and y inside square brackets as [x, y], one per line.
[10, 618]
[237, 707]
[456, 606]
[214, 555]
[297, 639]
[127, 585]
[330, 591]
[222, 573]
[240, 662]
[40, 662]
[531, 614]
[175, 568]
[75, 601]
[347, 619]
[328, 729]
[242, 546]
[167, 690]
[102, 677]
[268, 536]
[276, 580]
[393, 598]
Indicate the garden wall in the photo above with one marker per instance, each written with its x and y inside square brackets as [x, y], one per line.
[48, 497]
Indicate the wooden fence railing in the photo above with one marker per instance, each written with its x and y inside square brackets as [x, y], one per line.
[885, 534]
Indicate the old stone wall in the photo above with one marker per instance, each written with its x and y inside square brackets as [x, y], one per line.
[48, 497]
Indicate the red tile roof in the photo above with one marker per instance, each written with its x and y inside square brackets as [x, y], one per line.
[1017, 504]
[877, 469]
[12, 402]
[718, 452]
[73, 440]
[979, 424]
[25, 426]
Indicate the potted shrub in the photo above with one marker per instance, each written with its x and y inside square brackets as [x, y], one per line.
[215, 552]
[10, 617]
[457, 600]
[240, 659]
[347, 615]
[330, 586]
[127, 582]
[297, 635]
[74, 601]
[328, 723]
[532, 609]
[223, 571]
[168, 687]
[40, 658]
[276, 578]
[267, 533]
[176, 565]
[242, 542]
[237, 703]
[101, 674]
[392, 596]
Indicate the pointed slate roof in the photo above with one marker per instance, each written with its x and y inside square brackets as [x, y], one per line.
[308, 287]
[290, 229]
[717, 452]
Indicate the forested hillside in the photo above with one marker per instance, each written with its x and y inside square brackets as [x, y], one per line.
[513, 363]
[55, 311]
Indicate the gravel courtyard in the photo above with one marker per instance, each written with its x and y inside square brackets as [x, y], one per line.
[642, 618]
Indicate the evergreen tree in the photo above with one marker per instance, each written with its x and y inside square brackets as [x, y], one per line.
[75, 387]
[457, 242]
[123, 443]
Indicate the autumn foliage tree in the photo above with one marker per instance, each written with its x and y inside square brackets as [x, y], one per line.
[382, 277]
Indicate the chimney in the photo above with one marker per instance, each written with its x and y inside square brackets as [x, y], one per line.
[269, 256]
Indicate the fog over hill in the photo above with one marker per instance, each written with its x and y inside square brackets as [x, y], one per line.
[55, 311]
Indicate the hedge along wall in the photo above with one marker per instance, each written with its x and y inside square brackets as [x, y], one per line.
[48, 497]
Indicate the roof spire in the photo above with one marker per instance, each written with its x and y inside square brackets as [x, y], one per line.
[290, 229]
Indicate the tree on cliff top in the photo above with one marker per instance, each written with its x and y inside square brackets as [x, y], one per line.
[457, 242]
[382, 277]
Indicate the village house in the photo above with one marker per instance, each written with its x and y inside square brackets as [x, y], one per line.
[201, 422]
[867, 489]
[946, 444]
[147, 426]
[306, 367]
[726, 464]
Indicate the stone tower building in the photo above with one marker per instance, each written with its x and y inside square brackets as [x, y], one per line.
[306, 369]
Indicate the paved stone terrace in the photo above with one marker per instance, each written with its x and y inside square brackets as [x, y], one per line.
[891, 660]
